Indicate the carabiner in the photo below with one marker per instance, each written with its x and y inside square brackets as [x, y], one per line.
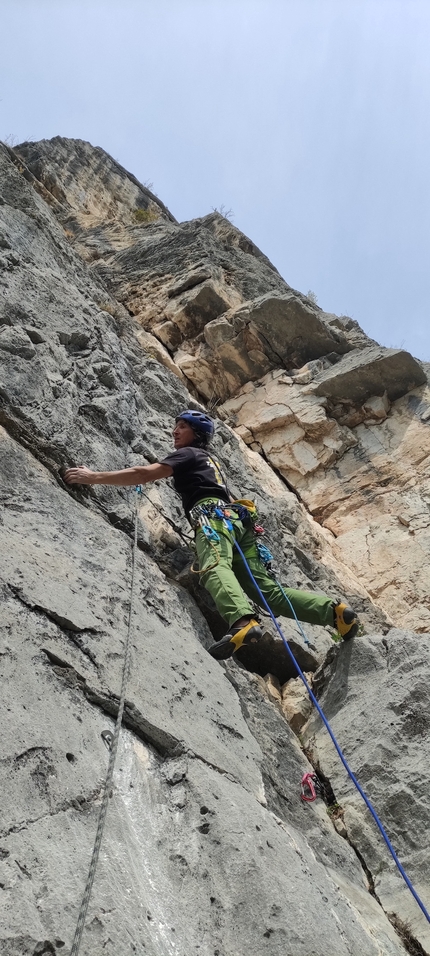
[307, 787]
[209, 532]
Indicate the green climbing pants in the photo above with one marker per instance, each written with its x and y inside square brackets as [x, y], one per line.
[224, 575]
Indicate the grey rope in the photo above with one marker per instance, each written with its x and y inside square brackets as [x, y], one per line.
[111, 765]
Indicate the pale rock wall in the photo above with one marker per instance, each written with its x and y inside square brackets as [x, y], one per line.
[359, 457]
[208, 848]
[179, 279]
[87, 187]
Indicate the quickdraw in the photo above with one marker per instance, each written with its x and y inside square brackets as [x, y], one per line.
[209, 532]
[198, 519]
[310, 787]
[266, 557]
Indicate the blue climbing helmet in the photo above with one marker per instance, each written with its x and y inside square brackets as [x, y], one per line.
[201, 423]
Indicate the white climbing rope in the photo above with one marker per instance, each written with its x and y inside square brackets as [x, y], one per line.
[112, 756]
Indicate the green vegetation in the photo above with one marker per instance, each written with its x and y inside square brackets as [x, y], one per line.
[145, 216]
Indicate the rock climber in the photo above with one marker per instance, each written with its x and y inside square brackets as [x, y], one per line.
[201, 485]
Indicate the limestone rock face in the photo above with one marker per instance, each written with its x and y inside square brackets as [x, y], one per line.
[243, 343]
[296, 704]
[207, 848]
[359, 457]
[376, 695]
[180, 279]
[87, 187]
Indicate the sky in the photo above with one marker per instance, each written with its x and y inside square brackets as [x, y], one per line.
[307, 119]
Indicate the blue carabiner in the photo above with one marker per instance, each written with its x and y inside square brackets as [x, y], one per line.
[209, 532]
[221, 514]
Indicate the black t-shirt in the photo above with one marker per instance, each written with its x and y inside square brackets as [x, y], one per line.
[196, 475]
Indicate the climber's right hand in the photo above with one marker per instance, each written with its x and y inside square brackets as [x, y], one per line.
[80, 476]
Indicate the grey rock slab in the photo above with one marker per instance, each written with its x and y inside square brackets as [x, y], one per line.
[52, 754]
[213, 243]
[258, 911]
[139, 843]
[213, 872]
[72, 566]
[284, 765]
[370, 371]
[279, 916]
[194, 866]
[17, 342]
[200, 305]
[96, 197]
[53, 391]
[36, 238]
[218, 331]
[375, 695]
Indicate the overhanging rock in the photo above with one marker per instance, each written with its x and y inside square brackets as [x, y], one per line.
[291, 328]
[370, 371]
[244, 343]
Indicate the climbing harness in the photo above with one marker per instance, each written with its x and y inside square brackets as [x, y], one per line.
[200, 514]
[111, 741]
[247, 514]
[333, 738]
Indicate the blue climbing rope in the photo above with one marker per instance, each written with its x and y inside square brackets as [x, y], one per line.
[305, 638]
[267, 558]
[333, 738]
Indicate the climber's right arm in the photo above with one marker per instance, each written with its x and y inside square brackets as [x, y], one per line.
[138, 475]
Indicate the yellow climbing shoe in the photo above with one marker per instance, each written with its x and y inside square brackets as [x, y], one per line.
[248, 633]
[345, 621]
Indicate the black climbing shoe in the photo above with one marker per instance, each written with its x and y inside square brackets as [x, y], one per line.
[248, 633]
[345, 621]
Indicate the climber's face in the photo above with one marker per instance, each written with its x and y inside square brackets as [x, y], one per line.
[183, 434]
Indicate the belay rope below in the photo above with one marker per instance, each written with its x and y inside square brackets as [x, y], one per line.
[112, 757]
[328, 728]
